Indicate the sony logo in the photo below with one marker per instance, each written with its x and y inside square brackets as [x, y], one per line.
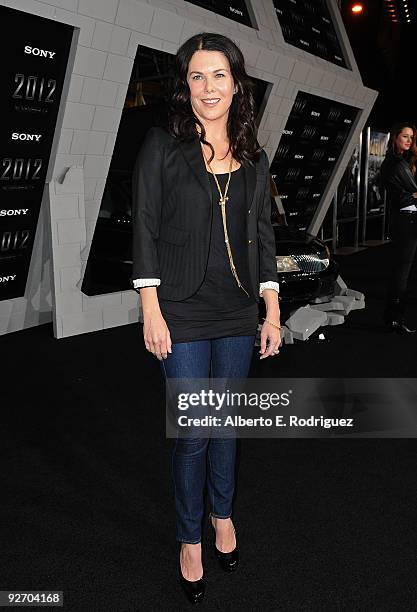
[308, 177]
[315, 114]
[316, 30]
[283, 197]
[297, 156]
[4, 279]
[338, 58]
[304, 42]
[40, 52]
[288, 132]
[234, 10]
[13, 211]
[316, 195]
[331, 159]
[17, 136]
[347, 121]
[324, 138]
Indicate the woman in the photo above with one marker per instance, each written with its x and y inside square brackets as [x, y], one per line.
[401, 187]
[203, 253]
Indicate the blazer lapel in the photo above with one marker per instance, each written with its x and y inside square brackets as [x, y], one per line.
[250, 180]
[194, 156]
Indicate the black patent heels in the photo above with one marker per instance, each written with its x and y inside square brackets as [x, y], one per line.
[228, 561]
[399, 327]
[194, 589]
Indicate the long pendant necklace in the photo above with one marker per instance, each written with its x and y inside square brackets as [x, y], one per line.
[222, 202]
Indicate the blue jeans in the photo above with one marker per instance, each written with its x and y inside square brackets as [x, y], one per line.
[219, 358]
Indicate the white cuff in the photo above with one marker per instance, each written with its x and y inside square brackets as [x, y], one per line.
[411, 207]
[269, 285]
[146, 282]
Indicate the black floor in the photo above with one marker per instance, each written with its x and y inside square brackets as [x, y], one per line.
[87, 503]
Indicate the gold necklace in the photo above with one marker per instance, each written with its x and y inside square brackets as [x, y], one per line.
[222, 202]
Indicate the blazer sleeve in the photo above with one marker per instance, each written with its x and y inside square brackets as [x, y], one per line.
[268, 275]
[147, 195]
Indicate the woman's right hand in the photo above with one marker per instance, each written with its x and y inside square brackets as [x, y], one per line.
[156, 335]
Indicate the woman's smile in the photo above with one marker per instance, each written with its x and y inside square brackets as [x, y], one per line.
[211, 101]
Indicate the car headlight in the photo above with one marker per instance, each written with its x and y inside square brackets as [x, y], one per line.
[286, 263]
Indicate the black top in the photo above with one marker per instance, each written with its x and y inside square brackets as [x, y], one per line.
[219, 308]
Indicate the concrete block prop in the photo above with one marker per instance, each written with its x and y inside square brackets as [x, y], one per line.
[287, 335]
[335, 304]
[73, 181]
[78, 116]
[131, 299]
[86, 24]
[167, 25]
[66, 255]
[135, 15]
[356, 294]
[90, 62]
[68, 302]
[358, 305]
[322, 300]
[347, 301]
[97, 302]
[71, 231]
[340, 286]
[105, 9]
[118, 68]
[75, 88]
[106, 119]
[65, 207]
[305, 321]
[334, 318]
[6, 308]
[80, 323]
[113, 317]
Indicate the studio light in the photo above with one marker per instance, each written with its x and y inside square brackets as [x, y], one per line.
[357, 8]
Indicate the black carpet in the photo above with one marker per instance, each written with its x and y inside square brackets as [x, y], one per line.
[87, 503]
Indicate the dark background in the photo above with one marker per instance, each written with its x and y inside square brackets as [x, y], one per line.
[385, 52]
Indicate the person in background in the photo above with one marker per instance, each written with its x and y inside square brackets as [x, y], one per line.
[399, 181]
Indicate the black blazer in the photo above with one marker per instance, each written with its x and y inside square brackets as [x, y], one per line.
[171, 216]
[398, 180]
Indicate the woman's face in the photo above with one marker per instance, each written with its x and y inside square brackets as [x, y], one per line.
[209, 78]
[404, 140]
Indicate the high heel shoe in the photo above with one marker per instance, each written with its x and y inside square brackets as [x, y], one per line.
[228, 561]
[194, 589]
[394, 316]
[399, 327]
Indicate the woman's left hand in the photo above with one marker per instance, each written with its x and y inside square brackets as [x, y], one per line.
[270, 340]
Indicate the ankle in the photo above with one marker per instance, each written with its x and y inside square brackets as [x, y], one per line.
[190, 551]
[219, 522]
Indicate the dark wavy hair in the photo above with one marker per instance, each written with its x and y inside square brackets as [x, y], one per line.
[395, 131]
[241, 127]
[413, 153]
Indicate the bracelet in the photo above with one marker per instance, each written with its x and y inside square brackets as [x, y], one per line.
[274, 324]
